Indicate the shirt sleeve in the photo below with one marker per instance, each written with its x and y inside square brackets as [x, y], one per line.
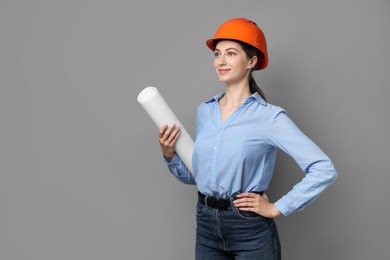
[318, 168]
[179, 170]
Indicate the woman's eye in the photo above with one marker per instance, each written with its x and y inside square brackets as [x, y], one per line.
[230, 53]
[217, 54]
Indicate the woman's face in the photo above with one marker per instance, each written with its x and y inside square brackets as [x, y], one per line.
[231, 62]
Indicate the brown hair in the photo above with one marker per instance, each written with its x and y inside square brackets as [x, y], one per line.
[250, 51]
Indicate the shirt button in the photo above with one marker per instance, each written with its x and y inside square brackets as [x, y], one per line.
[215, 148]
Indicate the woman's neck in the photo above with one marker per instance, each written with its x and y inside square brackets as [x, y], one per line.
[235, 95]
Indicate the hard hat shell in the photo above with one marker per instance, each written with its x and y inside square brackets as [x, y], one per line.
[244, 30]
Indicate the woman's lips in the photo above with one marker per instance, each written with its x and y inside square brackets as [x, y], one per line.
[223, 71]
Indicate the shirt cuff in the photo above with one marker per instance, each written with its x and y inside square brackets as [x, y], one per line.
[174, 161]
[283, 207]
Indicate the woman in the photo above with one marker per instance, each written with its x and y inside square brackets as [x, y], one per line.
[237, 135]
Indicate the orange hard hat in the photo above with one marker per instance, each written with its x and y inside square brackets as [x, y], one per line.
[244, 30]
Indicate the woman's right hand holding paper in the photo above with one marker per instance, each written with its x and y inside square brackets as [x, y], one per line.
[167, 136]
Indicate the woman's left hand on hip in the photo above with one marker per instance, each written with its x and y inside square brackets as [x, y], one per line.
[260, 204]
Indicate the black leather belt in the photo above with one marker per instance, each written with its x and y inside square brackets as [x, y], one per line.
[218, 203]
[214, 202]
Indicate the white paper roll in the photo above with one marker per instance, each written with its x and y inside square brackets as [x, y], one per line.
[157, 108]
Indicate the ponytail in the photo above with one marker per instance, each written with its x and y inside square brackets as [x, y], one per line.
[253, 87]
[250, 52]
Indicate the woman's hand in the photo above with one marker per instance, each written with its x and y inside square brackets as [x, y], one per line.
[257, 203]
[167, 137]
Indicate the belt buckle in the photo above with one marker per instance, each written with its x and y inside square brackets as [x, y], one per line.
[212, 202]
[217, 203]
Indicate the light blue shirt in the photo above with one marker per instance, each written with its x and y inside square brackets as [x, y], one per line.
[239, 154]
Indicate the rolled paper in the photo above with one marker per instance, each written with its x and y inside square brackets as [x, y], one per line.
[157, 108]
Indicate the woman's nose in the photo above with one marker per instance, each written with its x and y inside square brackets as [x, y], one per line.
[221, 61]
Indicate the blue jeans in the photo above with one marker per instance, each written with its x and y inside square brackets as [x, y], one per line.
[234, 234]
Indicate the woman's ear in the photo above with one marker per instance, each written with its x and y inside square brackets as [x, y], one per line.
[252, 62]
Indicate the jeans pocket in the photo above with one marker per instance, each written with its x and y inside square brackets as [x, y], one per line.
[200, 208]
[249, 215]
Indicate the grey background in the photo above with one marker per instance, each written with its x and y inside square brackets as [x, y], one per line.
[81, 173]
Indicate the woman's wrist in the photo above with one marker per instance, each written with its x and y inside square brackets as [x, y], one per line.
[275, 212]
[169, 157]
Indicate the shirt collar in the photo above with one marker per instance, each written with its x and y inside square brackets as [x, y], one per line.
[254, 96]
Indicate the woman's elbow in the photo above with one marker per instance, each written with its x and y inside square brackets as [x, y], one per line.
[332, 174]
